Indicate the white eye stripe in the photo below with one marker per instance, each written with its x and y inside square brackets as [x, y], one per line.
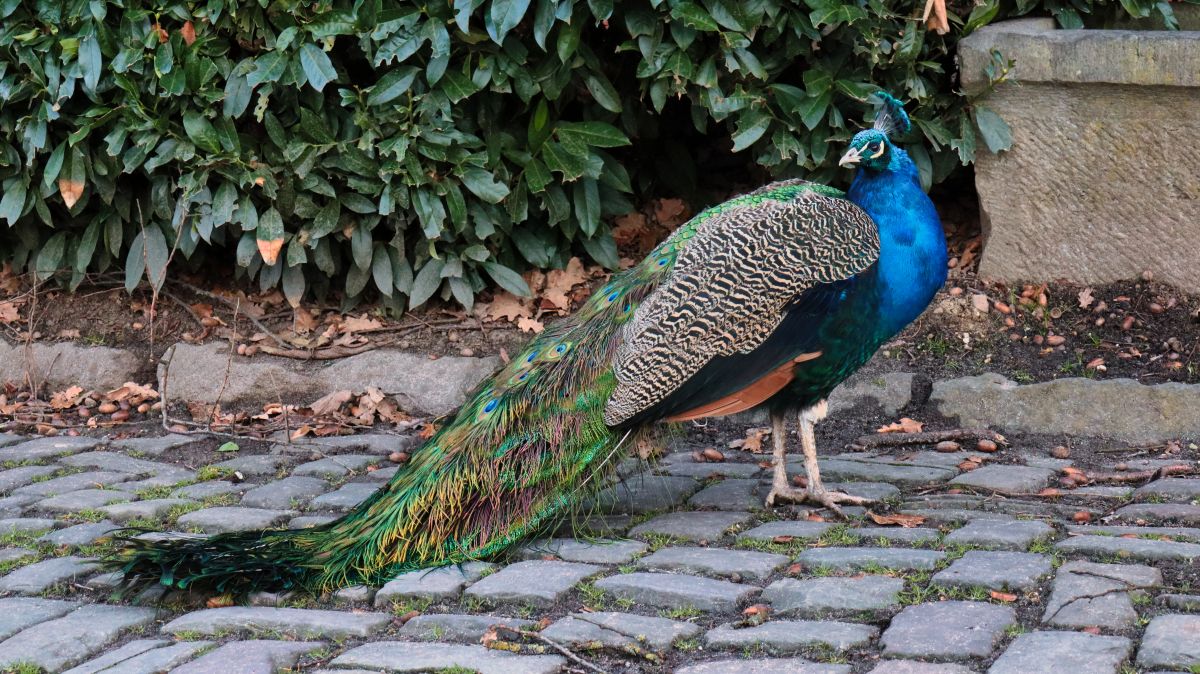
[879, 154]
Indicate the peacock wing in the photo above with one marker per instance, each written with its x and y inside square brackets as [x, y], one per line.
[731, 287]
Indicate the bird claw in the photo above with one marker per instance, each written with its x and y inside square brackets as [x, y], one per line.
[825, 499]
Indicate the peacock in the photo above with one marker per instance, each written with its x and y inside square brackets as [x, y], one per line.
[766, 301]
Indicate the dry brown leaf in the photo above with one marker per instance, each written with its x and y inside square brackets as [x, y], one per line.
[360, 324]
[71, 333]
[1086, 298]
[132, 391]
[530, 325]
[269, 249]
[905, 425]
[754, 440]
[906, 521]
[219, 601]
[8, 312]
[304, 321]
[331, 402]
[670, 212]
[70, 190]
[630, 228]
[188, 33]
[1002, 596]
[68, 398]
[565, 279]
[509, 307]
[301, 432]
[935, 16]
[427, 431]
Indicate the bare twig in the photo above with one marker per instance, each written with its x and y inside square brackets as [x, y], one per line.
[232, 304]
[506, 645]
[925, 438]
[228, 366]
[186, 307]
[330, 353]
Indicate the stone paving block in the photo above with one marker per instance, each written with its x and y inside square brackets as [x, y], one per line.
[22, 475]
[914, 667]
[669, 590]
[205, 490]
[715, 561]
[730, 494]
[255, 464]
[17, 613]
[838, 596]
[463, 629]
[151, 509]
[80, 534]
[120, 655]
[692, 526]
[232, 518]
[645, 493]
[864, 470]
[950, 516]
[118, 462]
[1170, 488]
[153, 446]
[57, 644]
[15, 554]
[290, 493]
[764, 666]
[596, 551]
[306, 521]
[789, 636]
[84, 499]
[355, 594]
[620, 629]
[800, 530]
[906, 535]
[1006, 479]
[148, 662]
[1160, 513]
[1170, 641]
[7, 439]
[536, 582]
[46, 448]
[996, 570]
[338, 466]
[1185, 534]
[345, 497]
[702, 471]
[1054, 652]
[299, 622]
[850, 559]
[252, 657]
[1130, 548]
[41, 576]
[1087, 594]
[97, 479]
[948, 630]
[1180, 602]
[438, 584]
[13, 525]
[1014, 535]
[404, 657]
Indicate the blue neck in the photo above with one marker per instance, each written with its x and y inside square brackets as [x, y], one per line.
[912, 255]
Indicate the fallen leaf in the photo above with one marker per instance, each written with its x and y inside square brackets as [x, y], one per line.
[427, 431]
[220, 601]
[303, 320]
[330, 402]
[8, 312]
[1002, 596]
[906, 521]
[360, 324]
[530, 325]
[68, 398]
[301, 432]
[509, 307]
[71, 333]
[784, 539]
[905, 425]
[754, 440]
[229, 447]
[670, 212]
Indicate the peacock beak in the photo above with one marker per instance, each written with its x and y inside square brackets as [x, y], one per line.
[851, 158]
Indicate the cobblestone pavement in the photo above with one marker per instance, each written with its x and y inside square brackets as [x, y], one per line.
[996, 579]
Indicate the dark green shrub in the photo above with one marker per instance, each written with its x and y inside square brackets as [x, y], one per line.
[436, 147]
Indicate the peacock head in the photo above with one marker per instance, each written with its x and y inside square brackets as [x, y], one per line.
[871, 149]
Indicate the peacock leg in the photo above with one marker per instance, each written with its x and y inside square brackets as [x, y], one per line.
[780, 487]
[817, 494]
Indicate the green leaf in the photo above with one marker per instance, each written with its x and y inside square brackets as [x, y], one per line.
[603, 249]
[507, 279]
[201, 131]
[237, 95]
[694, 16]
[317, 66]
[994, 130]
[13, 202]
[268, 67]
[751, 127]
[812, 109]
[484, 185]
[505, 15]
[89, 61]
[392, 85]
[381, 270]
[293, 284]
[595, 134]
[428, 280]
[543, 21]
[135, 262]
[87, 245]
[603, 92]
[229, 447]
[565, 159]
[50, 257]
[157, 256]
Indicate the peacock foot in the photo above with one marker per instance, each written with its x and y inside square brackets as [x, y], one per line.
[821, 497]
